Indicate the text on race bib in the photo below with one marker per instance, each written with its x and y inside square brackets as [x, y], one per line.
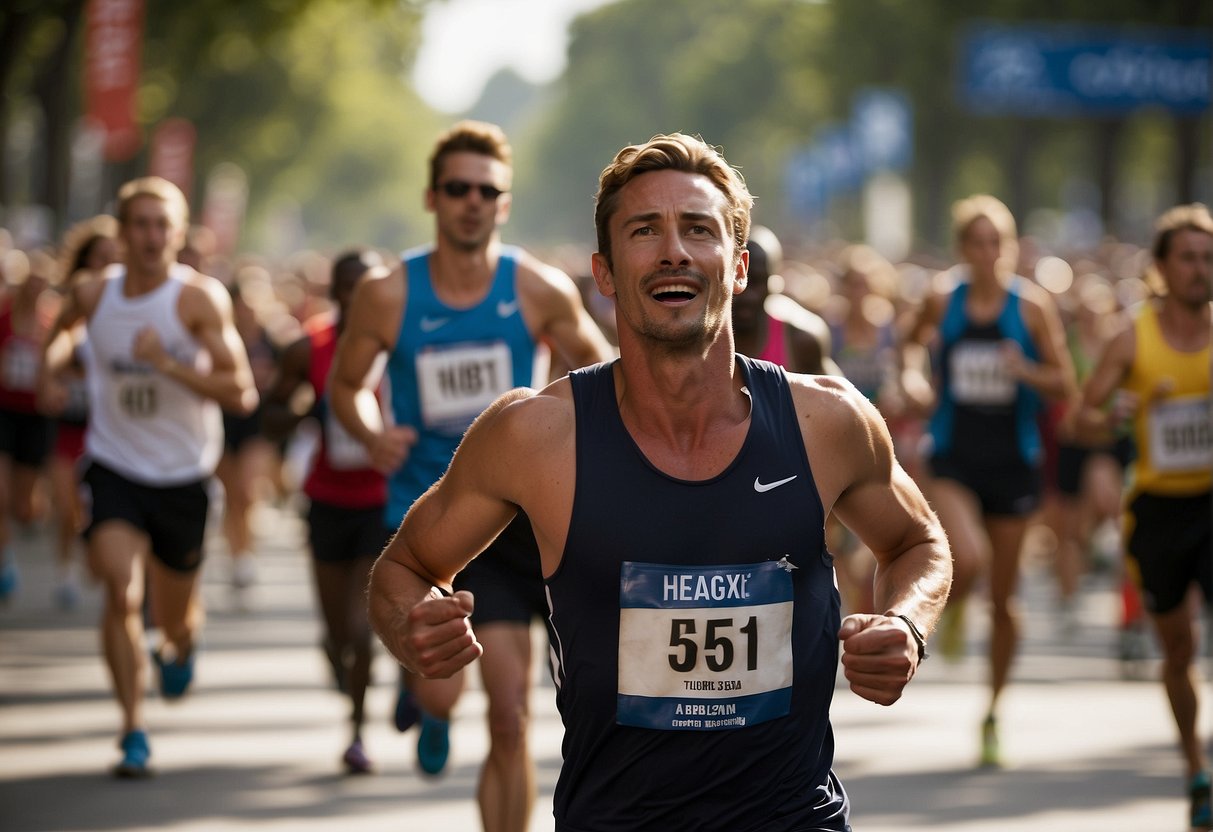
[19, 366]
[138, 398]
[1180, 435]
[459, 381]
[704, 648]
[979, 374]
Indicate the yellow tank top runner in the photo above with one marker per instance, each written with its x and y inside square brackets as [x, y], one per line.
[1172, 428]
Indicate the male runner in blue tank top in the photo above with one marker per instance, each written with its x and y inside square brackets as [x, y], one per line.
[678, 496]
[460, 323]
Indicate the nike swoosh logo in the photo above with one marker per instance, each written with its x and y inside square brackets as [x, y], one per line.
[506, 308]
[430, 324]
[762, 487]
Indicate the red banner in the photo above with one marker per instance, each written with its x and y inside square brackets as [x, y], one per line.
[172, 153]
[113, 43]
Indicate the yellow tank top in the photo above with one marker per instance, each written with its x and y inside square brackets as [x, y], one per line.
[1172, 428]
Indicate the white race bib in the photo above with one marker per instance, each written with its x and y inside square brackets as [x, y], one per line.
[458, 382]
[343, 451]
[1180, 436]
[979, 374]
[19, 367]
[704, 648]
[138, 395]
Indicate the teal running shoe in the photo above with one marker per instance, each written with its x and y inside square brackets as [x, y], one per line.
[1200, 812]
[175, 676]
[135, 755]
[10, 578]
[434, 744]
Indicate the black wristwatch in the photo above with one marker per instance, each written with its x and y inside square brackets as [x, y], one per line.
[919, 638]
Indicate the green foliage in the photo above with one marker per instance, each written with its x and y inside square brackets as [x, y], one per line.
[310, 99]
[731, 73]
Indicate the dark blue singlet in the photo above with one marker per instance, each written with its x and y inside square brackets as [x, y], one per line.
[985, 419]
[695, 665]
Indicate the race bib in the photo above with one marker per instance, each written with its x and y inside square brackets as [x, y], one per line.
[979, 374]
[343, 451]
[1180, 437]
[460, 381]
[19, 366]
[704, 648]
[137, 397]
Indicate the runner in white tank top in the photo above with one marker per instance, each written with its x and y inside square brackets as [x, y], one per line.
[163, 357]
[144, 425]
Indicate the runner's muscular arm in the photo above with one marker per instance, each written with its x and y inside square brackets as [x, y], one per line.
[60, 343]
[911, 353]
[446, 528]
[205, 308]
[1092, 422]
[552, 301]
[1053, 375]
[880, 503]
[371, 327]
[279, 415]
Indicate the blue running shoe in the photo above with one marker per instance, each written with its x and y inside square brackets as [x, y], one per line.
[175, 676]
[135, 754]
[434, 744]
[1200, 812]
[10, 578]
[407, 711]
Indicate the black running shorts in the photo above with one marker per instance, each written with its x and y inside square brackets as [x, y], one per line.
[507, 578]
[174, 518]
[1003, 491]
[340, 534]
[1170, 539]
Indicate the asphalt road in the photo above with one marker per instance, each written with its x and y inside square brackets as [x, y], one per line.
[256, 744]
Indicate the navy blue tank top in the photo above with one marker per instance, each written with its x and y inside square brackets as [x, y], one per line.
[694, 629]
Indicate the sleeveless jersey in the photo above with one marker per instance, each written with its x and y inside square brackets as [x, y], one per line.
[448, 365]
[984, 416]
[868, 368]
[776, 349]
[143, 425]
[341, 473]
[694, 631]
[20, 358]
[1171, 430]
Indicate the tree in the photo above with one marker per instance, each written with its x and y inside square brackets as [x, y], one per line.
[308, 97]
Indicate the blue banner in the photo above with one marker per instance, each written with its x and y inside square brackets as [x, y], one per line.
[1078, 70]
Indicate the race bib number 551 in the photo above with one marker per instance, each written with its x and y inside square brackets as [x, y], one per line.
[704, 648]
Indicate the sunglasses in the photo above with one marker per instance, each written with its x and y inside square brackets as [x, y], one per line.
[457, 189]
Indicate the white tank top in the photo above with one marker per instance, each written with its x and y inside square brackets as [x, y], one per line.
[142, 424]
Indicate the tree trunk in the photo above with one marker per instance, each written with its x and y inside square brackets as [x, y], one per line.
[14, 29]
[1187, 156]
[1107, 143]
[53, 91]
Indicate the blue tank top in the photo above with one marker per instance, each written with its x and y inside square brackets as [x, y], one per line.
[984, 416]
[694, 631]
[448, 365]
